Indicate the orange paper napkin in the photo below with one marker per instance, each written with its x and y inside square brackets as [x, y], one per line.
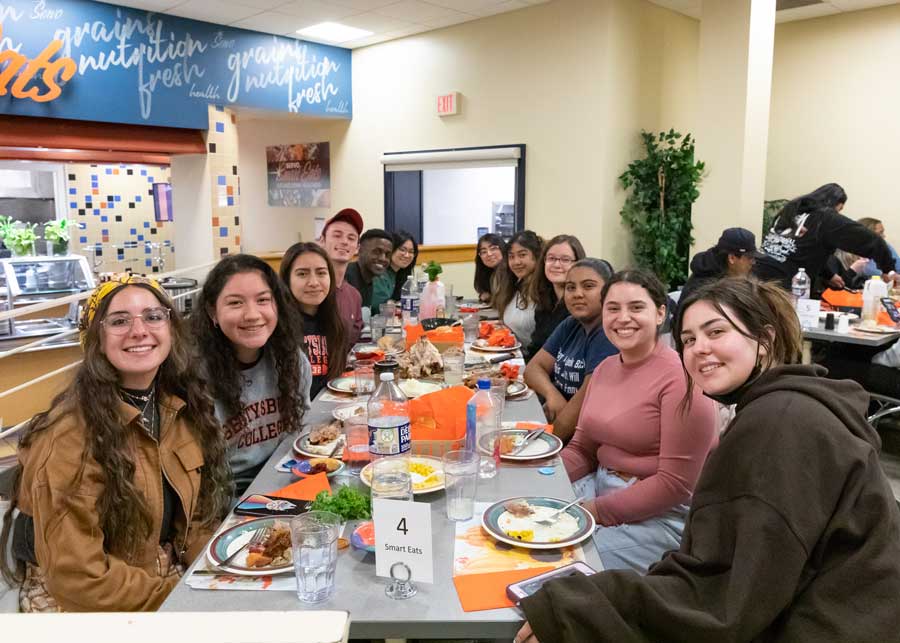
[548, 428]
[305, 488]
[843, 298]
[440, 415]
[488, 591]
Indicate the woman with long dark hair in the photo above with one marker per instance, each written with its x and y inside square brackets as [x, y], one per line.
[808, 230]
[249, 334]
[635, 455]
[513, 299]
[489, 265]
[548, 285]
[123, 480]
[309, 275]
[793, 534]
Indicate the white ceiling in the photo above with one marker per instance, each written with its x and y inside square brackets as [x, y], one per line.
[825, 8]
[387, 19]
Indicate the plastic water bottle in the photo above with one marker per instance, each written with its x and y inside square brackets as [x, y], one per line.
[409, 298]
[388, 411]
[481, 419]
[800, 286]
[432, 301]
[873, 291]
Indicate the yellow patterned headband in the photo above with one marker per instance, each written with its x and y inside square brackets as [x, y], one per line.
[103, 291]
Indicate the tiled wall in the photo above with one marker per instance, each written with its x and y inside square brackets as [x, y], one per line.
[222, 145]
[111, 211]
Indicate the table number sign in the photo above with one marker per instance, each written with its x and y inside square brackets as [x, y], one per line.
[403, 535]
[808, 312]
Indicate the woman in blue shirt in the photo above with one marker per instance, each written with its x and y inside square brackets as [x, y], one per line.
[562, 366]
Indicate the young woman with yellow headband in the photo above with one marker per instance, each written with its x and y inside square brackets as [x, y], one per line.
[124, 478]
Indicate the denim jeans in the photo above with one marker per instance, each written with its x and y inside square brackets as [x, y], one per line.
[634, 545]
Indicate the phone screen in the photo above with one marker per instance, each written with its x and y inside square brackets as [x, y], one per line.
[260, 505]
[891, 309]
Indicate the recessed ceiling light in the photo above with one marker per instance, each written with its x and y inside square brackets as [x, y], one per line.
[333, 32]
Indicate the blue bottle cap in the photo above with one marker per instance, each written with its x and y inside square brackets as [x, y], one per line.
[484, 385]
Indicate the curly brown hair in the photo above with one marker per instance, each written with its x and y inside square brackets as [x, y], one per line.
[94, 394]
[284, 345]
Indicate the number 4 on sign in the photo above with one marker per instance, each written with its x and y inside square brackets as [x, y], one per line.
[403, 535]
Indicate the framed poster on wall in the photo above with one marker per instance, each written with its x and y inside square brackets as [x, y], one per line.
[299, 176]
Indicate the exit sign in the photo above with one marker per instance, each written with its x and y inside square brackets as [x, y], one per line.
[448, 104]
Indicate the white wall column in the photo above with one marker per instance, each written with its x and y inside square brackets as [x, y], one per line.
[734, 88]
[191, 209]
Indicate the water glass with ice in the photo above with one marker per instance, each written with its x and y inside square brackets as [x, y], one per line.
[470, 328]
[454, 368]
[391, 478]
[314, 537]
[377, 324]
[364, 371]
[460, 482]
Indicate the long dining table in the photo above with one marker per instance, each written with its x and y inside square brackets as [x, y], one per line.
[435, 611]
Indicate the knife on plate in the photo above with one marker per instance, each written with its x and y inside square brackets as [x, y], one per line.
[529, 438]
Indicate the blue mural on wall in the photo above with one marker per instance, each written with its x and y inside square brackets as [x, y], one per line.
[114, 64]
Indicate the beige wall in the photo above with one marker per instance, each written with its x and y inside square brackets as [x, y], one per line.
[835, 106]
[574, 80]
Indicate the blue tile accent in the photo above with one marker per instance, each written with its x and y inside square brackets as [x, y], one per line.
[73, 205]
[104, 232]
[73, 191]
[133, 231]
[221, 180]
[93, 177]
[94, 184]
[231, 200]
[148, 262]
[82, 226]
[96, 212]
[140, 237]
[223, 231]
[138, 197]
[220, 127]
[109, 170]
[143, 172]
[118, 197]
[146, 250]
[146, 224]
[82, 239]
[104, 218]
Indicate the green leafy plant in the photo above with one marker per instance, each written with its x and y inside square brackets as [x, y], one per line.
[57, 233]
[6, 225]
[664, 184]
[433, 269]
[348, 503]
[20, 240]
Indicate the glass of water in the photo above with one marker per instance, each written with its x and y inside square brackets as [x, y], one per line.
[314, 537]
[356, 443]
[391, 478]
[454, 368]
[461, 483]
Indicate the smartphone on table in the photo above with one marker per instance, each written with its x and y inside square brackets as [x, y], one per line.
[891, 309]
[270, 506]
[524, 588]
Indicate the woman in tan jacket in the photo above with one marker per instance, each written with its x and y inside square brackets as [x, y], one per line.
[124, 478]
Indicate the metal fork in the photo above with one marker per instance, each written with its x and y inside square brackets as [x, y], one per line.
[259, 537]
[549, 520]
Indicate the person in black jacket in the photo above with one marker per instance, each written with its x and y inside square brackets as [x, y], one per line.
[808, 230]
[793, 532]
[733, 256]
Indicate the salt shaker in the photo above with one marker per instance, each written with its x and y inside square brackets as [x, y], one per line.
[843, 324]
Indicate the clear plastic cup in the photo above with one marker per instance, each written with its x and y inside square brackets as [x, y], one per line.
[470, 328]
[454, 368]
[460, 483]
[364, 371]
[356, 449]
[378, 323]
[391, 478]
[314, 545]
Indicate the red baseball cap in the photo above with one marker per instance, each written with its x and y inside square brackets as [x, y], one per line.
[348, 215]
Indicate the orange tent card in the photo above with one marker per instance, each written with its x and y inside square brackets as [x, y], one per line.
[306, 488]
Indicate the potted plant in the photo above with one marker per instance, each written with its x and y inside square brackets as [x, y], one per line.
[432, 299]
[56, 233]
[20, 240]
[658, 211]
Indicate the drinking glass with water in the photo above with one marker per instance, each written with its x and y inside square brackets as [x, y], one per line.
[314, 537]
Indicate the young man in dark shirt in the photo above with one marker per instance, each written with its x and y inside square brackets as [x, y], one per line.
[375, 248]
[340, 239]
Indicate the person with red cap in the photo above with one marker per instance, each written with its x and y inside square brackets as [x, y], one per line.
[340, 238]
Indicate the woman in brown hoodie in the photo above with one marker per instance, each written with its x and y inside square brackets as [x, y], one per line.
[793, 532]
[124, 478]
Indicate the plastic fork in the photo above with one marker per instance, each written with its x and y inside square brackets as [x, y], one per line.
[549, 520]
[259, 537]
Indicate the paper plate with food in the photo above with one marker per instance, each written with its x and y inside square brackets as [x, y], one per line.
[494, 338]
[345, 413]
[418, 388]
[521, 444]
[346, 383]
[321, 440]
[871, 326]
[427, 474]
[392, 344]
[261, 547]
[515, 522]
[329, 466]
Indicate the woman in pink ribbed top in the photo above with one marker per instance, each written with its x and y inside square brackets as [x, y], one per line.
[636, 456]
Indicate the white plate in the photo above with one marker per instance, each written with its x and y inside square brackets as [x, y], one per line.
[496, 519]
[418, 388]
[235, 537]
[497, 349]
[366, 474]
[344, 413]
[877, 330]
[303, 447]
[540, 448]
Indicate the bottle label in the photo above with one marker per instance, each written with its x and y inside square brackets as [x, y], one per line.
[471, 427]
[389, 438]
